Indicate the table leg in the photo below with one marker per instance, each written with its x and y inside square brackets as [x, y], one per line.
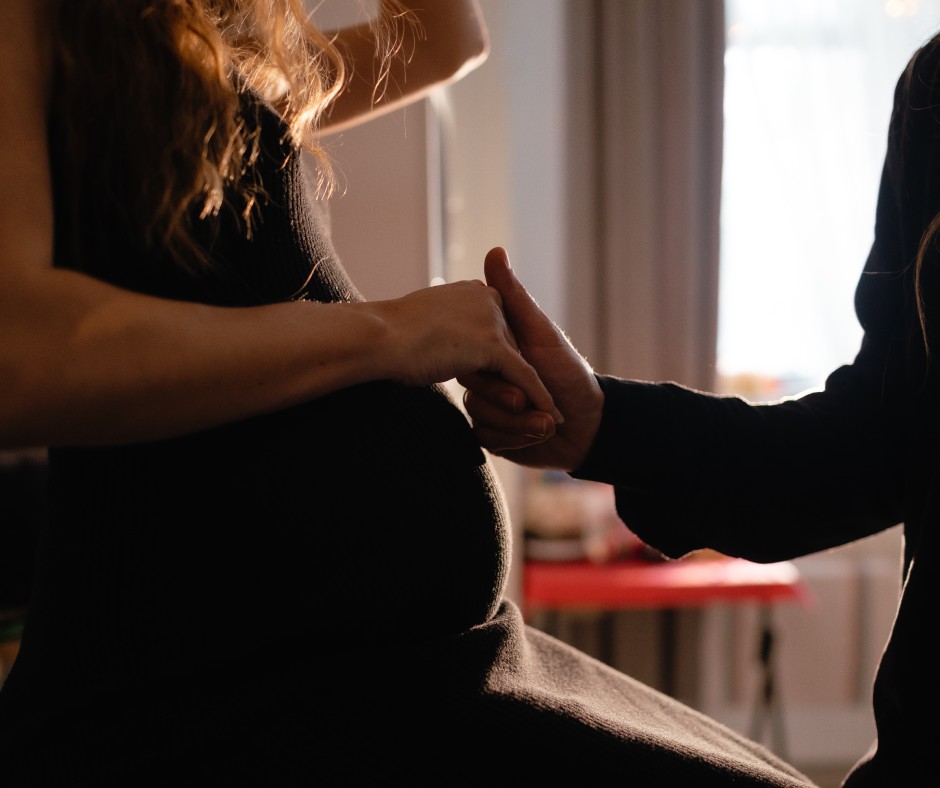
[767, 704]
[667, 647]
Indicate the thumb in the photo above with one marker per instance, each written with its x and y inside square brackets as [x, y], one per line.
[523, 314]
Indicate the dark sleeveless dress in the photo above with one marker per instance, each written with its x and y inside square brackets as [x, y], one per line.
[309, 597]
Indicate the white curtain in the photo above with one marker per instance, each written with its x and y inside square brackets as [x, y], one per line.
[645, 156]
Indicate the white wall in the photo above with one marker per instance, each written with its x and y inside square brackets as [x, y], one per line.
[382, 224]
[509, 150]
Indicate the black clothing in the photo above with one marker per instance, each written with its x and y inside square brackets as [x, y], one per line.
[315, 593]
[770, 482]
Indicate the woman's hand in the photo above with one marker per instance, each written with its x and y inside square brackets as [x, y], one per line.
[503, 416]
[455, 330]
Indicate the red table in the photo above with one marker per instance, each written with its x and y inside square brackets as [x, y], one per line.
[669, 584]
[550, 586]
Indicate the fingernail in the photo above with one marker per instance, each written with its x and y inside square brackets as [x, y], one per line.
[539, 427]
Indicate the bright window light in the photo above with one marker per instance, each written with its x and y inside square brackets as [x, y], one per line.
[808, 93]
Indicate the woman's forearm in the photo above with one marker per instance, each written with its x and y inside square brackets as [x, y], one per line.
[83, 362]
[451, 39]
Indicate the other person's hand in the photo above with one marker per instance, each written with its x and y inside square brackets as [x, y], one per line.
[506, 422]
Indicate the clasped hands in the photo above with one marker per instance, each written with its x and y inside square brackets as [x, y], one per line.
[507, 421]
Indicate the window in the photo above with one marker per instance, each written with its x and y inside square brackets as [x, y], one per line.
[808, 94]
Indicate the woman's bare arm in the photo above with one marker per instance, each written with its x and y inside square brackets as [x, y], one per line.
[451, 41]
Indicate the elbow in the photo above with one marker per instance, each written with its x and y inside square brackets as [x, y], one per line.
[471, 55]
[451, 48]
[470, 62]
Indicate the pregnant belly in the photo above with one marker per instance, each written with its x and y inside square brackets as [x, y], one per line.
[371, 514]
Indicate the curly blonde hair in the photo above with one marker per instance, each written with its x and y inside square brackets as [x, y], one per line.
[147, 104]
